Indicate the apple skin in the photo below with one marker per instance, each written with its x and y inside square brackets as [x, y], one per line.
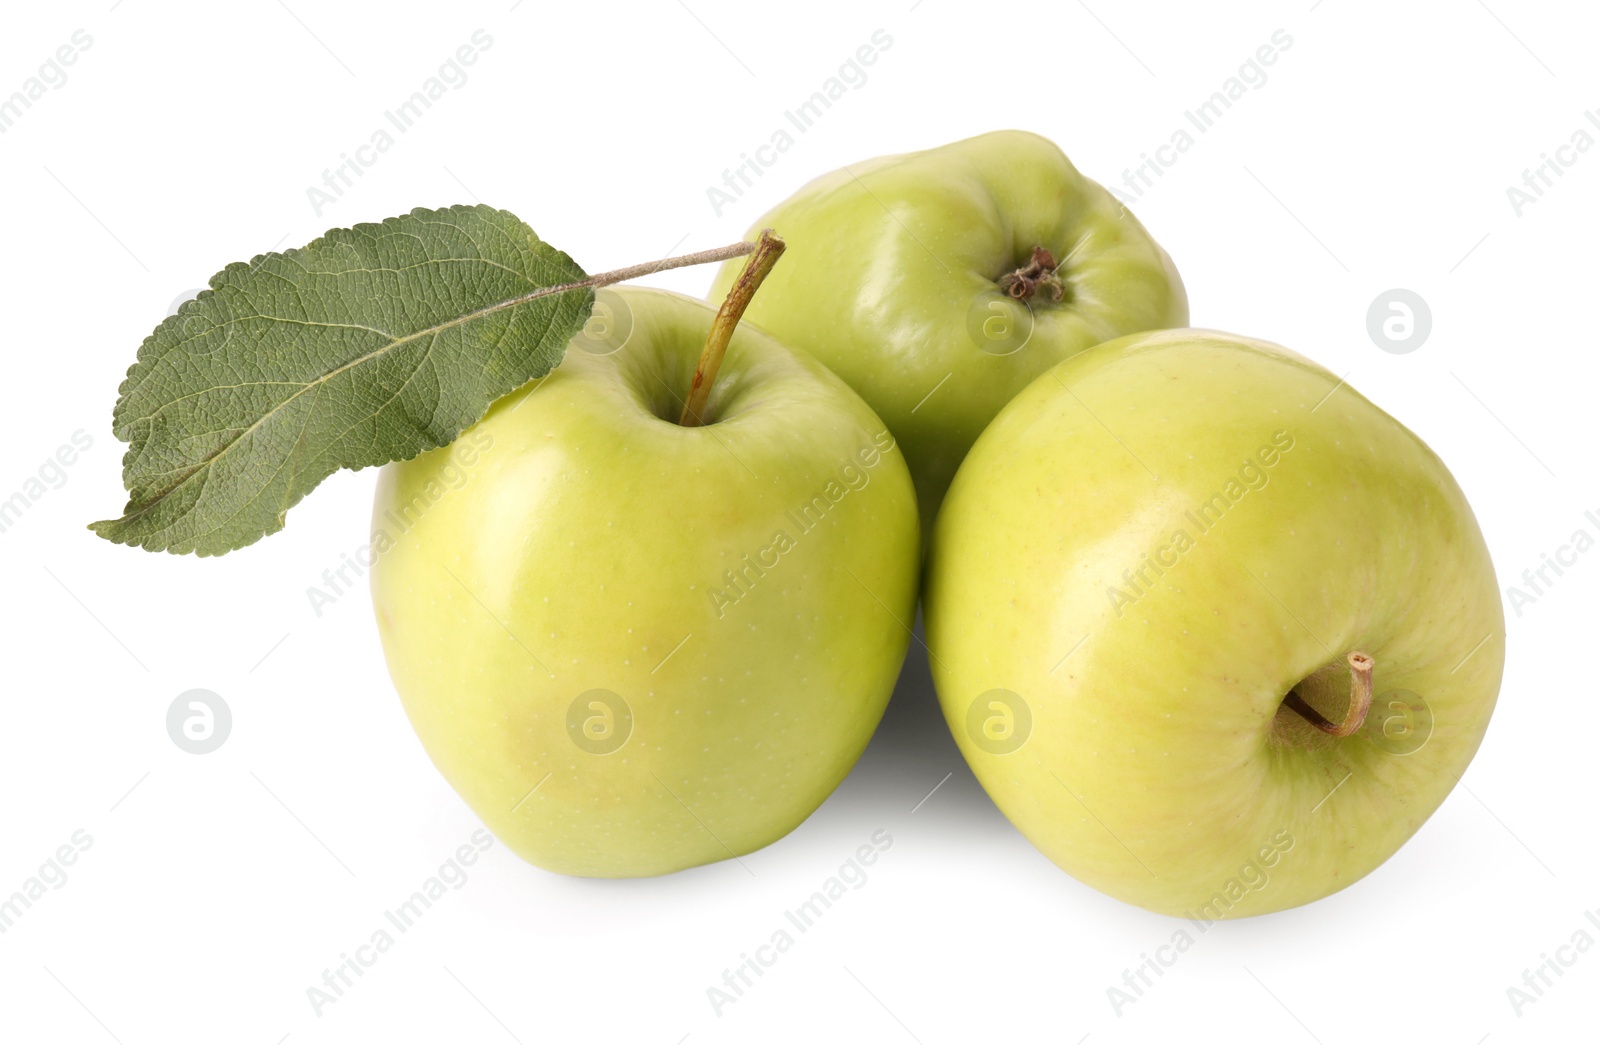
[891, 279]
[573, 538]
[1160, 767]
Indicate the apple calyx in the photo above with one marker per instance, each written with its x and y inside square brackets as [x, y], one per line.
[1360, 700]
[1040, 271]
[769, 246]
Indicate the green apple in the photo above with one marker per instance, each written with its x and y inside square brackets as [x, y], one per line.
[632, 646]
[1146, 553]
[913, 277]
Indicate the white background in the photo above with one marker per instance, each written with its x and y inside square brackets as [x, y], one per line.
[218, 888]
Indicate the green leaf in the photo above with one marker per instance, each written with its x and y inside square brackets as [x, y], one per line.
[369, 345]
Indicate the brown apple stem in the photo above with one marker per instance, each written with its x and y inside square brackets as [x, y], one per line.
[1360, 700]
[1040, 271]
[767, 249]
[605, 279]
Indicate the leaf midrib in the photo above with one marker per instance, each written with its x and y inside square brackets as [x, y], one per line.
[208, 462]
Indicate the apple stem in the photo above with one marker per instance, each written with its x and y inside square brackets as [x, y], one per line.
[605, 279]
[768, 247]
[1360, 700]
[1040, 271]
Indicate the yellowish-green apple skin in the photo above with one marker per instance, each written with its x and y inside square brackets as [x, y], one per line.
[891, 279]
[736, 585]
[1161, 767]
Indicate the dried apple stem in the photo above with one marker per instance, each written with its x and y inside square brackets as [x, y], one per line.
[767, 250]
[605, 279]
[1360, 700]
[701, 257]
